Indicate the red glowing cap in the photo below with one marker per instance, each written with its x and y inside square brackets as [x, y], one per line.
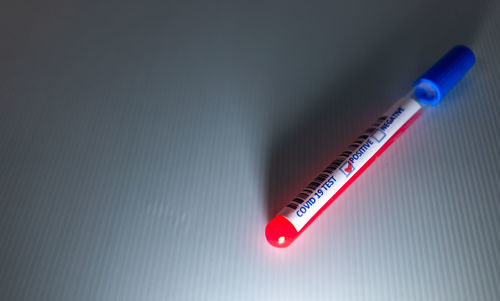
[280, 232]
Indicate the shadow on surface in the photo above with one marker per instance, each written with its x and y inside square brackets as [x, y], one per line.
[305, 146]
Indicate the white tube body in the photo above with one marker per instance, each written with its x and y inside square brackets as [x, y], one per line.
[310, 200]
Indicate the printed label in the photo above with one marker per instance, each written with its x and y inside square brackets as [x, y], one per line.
[310, 200]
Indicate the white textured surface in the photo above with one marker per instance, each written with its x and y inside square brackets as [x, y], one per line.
[144, 146]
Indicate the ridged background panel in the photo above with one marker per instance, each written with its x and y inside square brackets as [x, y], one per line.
[144, 147]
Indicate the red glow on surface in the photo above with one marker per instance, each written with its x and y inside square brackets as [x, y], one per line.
[280, 227]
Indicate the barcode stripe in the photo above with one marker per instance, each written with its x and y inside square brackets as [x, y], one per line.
[310, 189]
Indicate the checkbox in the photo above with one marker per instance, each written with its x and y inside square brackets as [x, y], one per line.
[378, 135]
[347, 168]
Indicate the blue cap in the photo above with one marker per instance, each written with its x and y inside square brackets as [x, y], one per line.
[440, 78]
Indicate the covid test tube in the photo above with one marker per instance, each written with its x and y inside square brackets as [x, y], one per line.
[426, 92]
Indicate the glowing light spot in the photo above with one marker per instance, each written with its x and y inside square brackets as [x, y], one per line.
[281, 240]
